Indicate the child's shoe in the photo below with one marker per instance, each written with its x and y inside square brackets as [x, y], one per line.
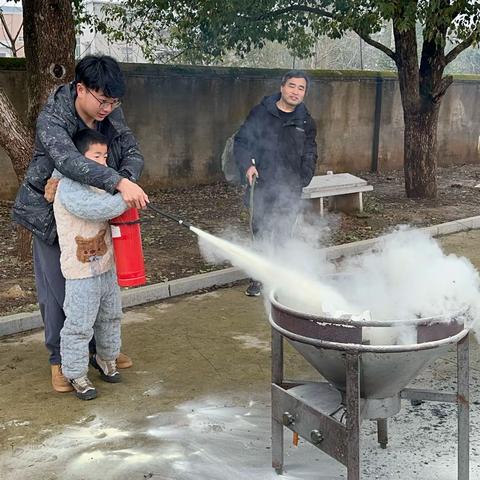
[83, 387]
[107, 368]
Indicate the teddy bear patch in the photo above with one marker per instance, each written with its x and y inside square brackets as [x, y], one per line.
[91, 249]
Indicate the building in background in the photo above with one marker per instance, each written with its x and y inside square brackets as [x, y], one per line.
[92, 42]
[88, 42]
[11, 33]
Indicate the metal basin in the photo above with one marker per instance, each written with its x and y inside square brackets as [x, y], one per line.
[385, 370]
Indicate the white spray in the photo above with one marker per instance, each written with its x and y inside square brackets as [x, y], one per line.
[407, 276]
[299, 288]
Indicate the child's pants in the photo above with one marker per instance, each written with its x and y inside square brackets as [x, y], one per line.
[91, 305]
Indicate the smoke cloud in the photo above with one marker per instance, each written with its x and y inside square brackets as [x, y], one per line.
[406, 276]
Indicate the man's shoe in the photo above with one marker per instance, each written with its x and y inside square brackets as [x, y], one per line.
[83, 387]
[124, 361]
[107, 368]
[59, 382]
[254, 289]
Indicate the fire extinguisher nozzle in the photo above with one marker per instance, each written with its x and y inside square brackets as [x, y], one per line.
[170, 217]
[185, 224]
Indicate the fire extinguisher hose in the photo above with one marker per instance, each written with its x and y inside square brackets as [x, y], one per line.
[169, 216]
[252, 192]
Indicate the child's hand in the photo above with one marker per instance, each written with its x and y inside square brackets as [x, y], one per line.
[51, 189]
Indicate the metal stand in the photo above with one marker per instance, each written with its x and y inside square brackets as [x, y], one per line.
[382, 432]
[342, 441]
[277, 379]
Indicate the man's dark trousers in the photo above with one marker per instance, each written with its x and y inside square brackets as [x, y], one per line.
[50, 284]
[50, 292]
[274, 215]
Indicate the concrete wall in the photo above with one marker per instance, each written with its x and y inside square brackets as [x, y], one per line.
[183, 115]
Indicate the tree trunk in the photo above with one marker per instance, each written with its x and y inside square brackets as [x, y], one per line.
[49, 38]
[17, 140]
[49, 35]
[24, 243]
[15, 137]
[422, 88]
[420, 151]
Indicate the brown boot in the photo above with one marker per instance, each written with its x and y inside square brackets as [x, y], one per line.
[59, 382]
[124, 361]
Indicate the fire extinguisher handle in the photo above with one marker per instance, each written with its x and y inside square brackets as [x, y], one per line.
[131, 222]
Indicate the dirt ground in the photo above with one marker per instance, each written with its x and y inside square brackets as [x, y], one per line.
[172, 252]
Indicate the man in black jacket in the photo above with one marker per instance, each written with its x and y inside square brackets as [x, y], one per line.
[276, 147]
[92, 100]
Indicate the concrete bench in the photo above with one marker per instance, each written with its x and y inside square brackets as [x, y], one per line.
[346, 188]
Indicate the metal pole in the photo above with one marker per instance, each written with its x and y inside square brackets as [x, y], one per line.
[277, 378]
[463, 408]
[361, 54]
[353, 415]
[382, 432]
[377, 120]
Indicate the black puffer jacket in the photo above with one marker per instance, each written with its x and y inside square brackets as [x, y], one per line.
[56, 125]
[285, 151]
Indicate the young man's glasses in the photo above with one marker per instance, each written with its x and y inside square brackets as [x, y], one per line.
[105, 103]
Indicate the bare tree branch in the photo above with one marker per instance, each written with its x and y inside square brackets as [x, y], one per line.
[453, 54]
[324, 13]
[174, 56]
[378, 45]
[5, 27]
[13, 39]
[295, 8]
[145, 17]
[15, 137]
[18, 32]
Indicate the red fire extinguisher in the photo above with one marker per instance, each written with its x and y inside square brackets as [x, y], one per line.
[127, 246]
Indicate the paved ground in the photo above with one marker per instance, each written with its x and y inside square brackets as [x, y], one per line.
[195, 406]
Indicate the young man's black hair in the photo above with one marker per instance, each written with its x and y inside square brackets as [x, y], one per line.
[101, 72]
[86, 137]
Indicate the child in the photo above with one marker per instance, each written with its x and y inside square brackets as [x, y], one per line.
[92, 295]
